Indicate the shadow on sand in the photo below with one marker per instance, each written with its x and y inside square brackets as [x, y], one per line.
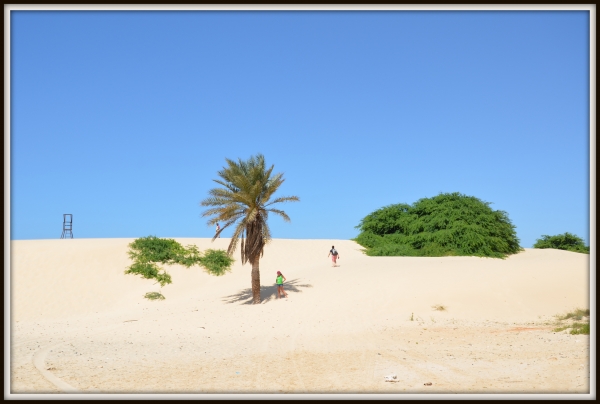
[267, 293]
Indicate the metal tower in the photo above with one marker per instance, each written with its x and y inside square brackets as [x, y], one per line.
[67, 225]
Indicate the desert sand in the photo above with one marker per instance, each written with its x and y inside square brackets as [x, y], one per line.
[78, 324]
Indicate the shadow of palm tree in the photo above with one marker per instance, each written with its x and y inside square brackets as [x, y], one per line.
[267, 293]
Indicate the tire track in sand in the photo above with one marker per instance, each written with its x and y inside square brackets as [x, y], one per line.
[39, 361]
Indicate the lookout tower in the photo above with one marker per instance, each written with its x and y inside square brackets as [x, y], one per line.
[67, 226]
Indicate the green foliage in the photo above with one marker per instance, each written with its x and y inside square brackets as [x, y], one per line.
[566, 241]
[146, 252]
[149, 270]
[368, 239]
[575, 327]
[216, 262]
[391, 250]
[154, 249]
[154, 296]
[580, 328]
[577, 314]
[245, 200]
[387, 220]
[189, 256]
[445, 225]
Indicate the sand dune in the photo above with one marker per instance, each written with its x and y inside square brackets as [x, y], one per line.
[342, 329]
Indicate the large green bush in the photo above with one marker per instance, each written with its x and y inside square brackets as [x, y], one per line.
[566, 241]
[147, 252]
[447, 224]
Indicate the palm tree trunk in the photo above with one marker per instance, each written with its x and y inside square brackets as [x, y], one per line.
[255, 282]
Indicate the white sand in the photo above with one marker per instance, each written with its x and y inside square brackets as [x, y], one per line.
[79, 324]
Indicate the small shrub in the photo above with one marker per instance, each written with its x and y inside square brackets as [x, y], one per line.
[575, 327]
[577, 314]
[580, 328]
[439, 307]
[566, 241]
[216, 262]
[154, 296]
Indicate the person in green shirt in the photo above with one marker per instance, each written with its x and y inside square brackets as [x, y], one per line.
[279, 283]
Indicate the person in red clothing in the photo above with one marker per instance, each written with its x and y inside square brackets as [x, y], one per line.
[334, 255]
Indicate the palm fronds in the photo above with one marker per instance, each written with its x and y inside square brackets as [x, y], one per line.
[244, 200]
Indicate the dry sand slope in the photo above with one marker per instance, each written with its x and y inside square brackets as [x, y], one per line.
[79, 324]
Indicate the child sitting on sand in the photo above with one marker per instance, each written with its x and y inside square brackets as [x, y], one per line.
[279, 283]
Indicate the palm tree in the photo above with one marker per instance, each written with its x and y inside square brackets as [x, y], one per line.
[245, 202]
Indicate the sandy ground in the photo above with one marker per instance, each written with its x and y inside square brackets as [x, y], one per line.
[80, 325]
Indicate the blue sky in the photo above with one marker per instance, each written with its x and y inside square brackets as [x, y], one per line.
[124, 118]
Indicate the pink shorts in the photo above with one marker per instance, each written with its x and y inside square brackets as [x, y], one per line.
[334, 258]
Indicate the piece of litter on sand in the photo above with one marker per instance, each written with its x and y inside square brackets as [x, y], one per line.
[391, 378]
[427, 384]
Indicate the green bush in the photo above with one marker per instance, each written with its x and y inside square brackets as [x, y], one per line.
[445, 225]
[154, 249]
[580, 328]
[576, 314]
[566, 241]
[392, 250]
[146, 252]
[149, 270]
[575, 327]
[368, 239]
[154, 296]
[216, 262]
